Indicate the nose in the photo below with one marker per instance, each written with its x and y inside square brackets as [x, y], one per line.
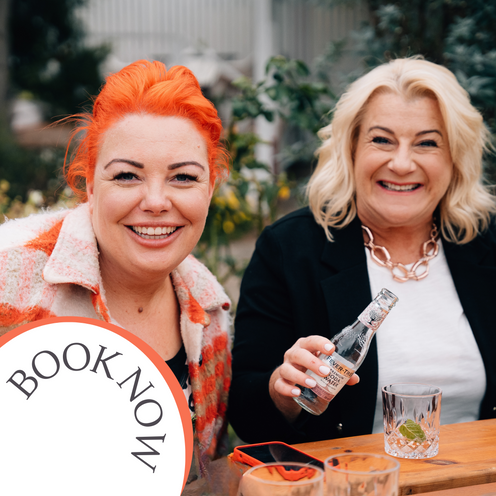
[402, 162]
[156, 198]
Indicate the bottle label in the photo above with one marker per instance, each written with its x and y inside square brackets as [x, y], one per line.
[373, 316]
[327, 387]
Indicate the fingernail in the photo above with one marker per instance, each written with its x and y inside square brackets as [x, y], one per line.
[310, 383]
[324, 370]
[295, 392]
[328, 347]
[358, 379]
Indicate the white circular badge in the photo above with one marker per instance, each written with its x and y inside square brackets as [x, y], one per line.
[88, 408]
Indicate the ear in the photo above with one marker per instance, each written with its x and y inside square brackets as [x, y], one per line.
[211, 189]
[90, 194]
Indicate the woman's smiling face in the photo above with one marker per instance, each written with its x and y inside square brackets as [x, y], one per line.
[402, 161]
[150, 194]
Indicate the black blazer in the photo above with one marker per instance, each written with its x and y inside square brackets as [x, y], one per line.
[298, 284]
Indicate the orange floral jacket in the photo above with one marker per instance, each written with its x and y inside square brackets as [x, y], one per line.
[49, 267]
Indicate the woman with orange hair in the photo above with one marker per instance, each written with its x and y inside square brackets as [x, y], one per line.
[145, 171]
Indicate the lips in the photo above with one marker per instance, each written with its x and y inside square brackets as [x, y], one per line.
[399, 187]
[153, 232]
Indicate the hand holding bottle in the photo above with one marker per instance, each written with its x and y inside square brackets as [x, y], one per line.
[351, 347]
[300, 358]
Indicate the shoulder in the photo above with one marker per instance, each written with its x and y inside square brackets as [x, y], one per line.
[19, 232]
[480, 250]
[490, 232]
[296, 231]
[486, 237]
[296, 224]
[301, 218]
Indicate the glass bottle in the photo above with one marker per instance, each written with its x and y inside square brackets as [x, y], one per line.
[352, 344]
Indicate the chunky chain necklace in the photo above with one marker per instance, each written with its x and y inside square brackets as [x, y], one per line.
[430, 249]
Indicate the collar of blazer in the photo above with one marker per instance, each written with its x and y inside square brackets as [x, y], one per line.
[348, 289]
[347, 250]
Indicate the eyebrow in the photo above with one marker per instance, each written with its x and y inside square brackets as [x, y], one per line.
[430, 131]
[139, 165]
[418, 134]
[181, 164]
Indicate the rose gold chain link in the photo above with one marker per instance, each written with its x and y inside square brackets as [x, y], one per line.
[430, 249]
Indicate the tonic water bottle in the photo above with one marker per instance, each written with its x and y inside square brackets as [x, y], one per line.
[352, 344]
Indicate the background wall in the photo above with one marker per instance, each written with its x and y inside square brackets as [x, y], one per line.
[162, 30]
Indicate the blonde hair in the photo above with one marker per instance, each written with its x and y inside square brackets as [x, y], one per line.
[466, 208]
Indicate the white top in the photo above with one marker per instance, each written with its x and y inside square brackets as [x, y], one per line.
[426, 338]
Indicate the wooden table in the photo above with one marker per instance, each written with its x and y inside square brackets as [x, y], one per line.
[467, 457]
[478, 490]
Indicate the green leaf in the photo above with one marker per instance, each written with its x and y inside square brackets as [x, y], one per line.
[413, 431]
[302, 68]
[272, 92]
[269, 115]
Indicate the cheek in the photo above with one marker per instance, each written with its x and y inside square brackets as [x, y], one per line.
[443, 175]
[196, 207]
[109, 206]
[446, 183]
[449, 177]
[366, 164]
[362, 174]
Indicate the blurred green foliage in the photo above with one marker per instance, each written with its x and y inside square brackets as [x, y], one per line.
[249, 200]
[30, 179]
[27, 169]
[47, 56]
[459, 34]
[48, 63]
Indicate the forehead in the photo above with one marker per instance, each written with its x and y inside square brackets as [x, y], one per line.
[138, 134]
[392, 108]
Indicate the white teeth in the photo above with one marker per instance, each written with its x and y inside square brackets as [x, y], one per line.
[398, 187]
[153, 232]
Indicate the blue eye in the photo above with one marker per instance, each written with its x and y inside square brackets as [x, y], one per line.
[125, 176]
[380, 140]
[428, 143]
[184, 178]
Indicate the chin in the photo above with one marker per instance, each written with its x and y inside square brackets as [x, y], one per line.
[152, 268]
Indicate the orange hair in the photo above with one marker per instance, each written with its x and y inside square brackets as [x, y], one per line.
[145, 87]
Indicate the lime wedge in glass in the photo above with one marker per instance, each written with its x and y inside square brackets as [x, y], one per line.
[412, 430]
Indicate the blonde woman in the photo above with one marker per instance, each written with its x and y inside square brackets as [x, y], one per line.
[400, 169]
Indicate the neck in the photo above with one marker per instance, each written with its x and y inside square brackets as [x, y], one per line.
[404, 244]
[133, 289]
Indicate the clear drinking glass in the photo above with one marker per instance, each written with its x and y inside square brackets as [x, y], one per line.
[411, 420]
[362, 474]
[282, 479]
